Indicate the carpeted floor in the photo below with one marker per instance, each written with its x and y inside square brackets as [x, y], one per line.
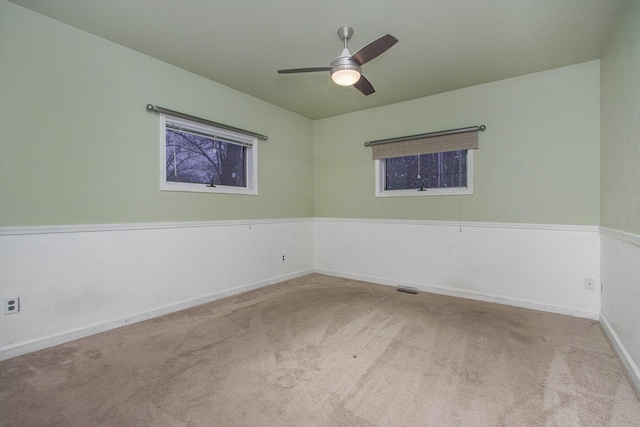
[324, 351]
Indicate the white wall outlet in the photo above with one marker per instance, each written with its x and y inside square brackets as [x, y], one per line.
[11, 305]
[282, 258]
[589, 284]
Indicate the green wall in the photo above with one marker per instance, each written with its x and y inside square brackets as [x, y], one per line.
[538, 160]
[620, 137]
[77, 145]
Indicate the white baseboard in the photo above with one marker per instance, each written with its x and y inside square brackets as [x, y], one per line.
[625, 357]
[463, 293]
[53, 340]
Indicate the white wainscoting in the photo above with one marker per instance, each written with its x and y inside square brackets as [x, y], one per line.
[74, 281]
[541, 267]
[620, 316]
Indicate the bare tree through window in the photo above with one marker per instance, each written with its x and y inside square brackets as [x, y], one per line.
[436, 170]
[200, 159]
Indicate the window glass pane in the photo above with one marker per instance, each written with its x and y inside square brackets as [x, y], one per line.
[437, 170]
[199, 159]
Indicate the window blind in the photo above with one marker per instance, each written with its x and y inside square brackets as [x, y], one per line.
[436, 142]
[172, 113]
[180, 126]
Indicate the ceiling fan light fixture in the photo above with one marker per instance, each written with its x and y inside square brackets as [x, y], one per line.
[344, 71]
[345, 77]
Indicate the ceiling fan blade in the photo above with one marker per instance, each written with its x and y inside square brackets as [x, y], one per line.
[304, 70]
[364, 86]
[374, 49]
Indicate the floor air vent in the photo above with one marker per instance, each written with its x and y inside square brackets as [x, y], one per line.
[407, 289]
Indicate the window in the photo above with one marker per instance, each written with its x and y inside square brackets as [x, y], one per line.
[202, 158]
[443, 173]
[439, 163]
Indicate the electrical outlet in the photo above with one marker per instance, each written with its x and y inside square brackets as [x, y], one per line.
[589, 284]
[11, 305]
[282, 258]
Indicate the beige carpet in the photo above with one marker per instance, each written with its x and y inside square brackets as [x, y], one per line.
[323, 351]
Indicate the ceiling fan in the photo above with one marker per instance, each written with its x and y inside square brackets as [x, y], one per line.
[346, 69]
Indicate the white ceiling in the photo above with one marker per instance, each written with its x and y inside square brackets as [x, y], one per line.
[444, 44]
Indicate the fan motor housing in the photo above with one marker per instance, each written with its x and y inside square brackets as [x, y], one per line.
[344, 63]
[344, 71]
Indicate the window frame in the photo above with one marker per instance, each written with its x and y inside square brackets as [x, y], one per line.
[251, 155]
[380, 174]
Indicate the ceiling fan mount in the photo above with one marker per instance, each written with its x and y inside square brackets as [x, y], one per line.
[346, 69]
[345, 33]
